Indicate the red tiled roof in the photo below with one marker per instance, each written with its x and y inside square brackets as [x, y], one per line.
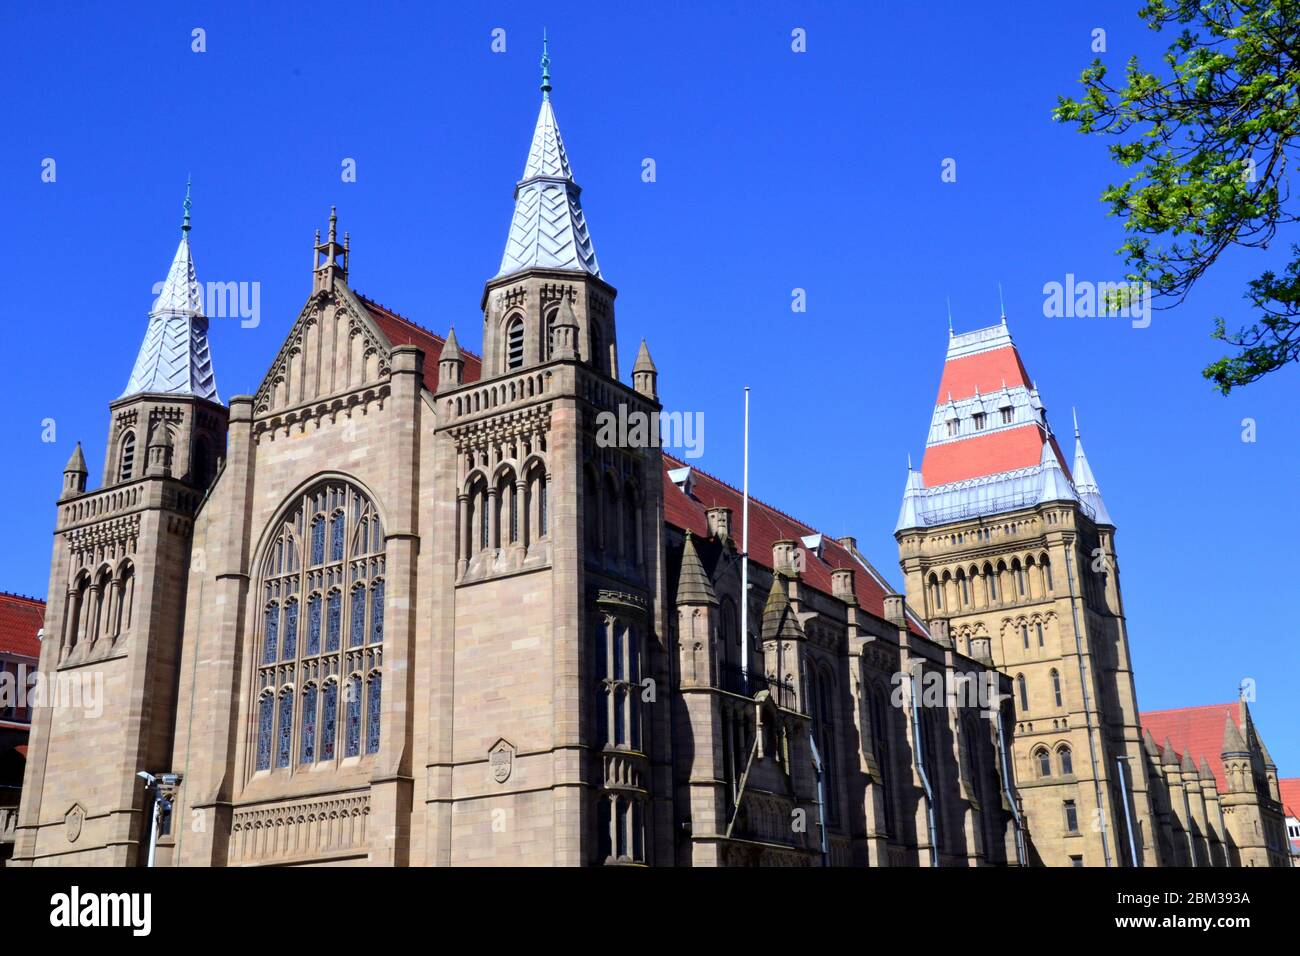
[1290, 788]
[989, 454]
[402, 331]
[20, 620]
[1198, 730]
[767, 526]
[987, 371]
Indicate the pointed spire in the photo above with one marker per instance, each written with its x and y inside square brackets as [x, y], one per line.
[1002, 305]
[777, 609]
[548, 229]
[1056, 487]
[450, 348]
[1206, 773]
[1167, 755]
[1149, 744]
[76, 462]
[1188, 767]
[644, 373]
[1233, 743]
[1084, 480]
[951, 333]
[693, 585]
[174, 357]
[909, 515]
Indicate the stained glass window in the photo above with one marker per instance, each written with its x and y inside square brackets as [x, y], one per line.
[332, 540]
[308, 752]
[318, 540]
[352, 719]
[329, 721]
[358, 630]
[336, 537]
[272, 633]
[313, 625]
[333, 620]
[286, 730]
[290, 630]
[377, 613]
[372, 713]
[265, 718]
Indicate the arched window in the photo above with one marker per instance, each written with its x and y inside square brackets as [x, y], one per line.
[126, 463]
[991, 582]
[125, 599]
[1047, 573]
[936, 594]
[548, 347]
[1067, 760]
[338, 530]
[1056, 686]
[1019, 573]
[965, 588]
[515, 343]
[1039, 627]
[535, 505]
[618, 673]
[1044, 761]
[374, 687]
[1024, 634]
[1023, 692]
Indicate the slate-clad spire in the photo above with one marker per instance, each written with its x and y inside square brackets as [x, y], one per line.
[174, 356]
[549, 230]
[909, 515]
[693, 585]
[1084, 481]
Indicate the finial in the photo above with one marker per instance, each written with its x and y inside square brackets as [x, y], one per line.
[948, 299]
[1002, 305]
[334, 221]
[1075, 412]
[909, 461]
[185, 225]
[546, 67]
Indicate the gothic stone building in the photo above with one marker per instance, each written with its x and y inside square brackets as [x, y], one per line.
[1015, 549]
[400, 607]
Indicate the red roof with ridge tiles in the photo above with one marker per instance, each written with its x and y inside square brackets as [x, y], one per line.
[402, 331]
[21, 618]
[767, 526]
[1195, 729]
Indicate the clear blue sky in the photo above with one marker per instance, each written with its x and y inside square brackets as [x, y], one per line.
[776, 170]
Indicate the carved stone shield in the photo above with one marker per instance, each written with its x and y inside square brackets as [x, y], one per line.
[501, 760]
[72, 822]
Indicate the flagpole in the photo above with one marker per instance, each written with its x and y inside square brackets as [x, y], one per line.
[744, 561]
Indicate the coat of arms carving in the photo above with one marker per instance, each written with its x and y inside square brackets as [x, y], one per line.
[501, 760]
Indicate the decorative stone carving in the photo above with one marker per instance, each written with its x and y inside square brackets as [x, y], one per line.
[73, 821]
[501, 760]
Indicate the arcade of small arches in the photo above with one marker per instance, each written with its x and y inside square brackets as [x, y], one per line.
[100, 605]
[319, 667]
[977, 587]
[1048, 761]
[510, 509]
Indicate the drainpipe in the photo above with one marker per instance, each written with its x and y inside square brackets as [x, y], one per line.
[1087, 705]
[821, 795]
[925, 778]
[1120, 760]
[1012, 799]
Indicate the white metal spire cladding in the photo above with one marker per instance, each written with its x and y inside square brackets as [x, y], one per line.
[548, 230]
[174, 357]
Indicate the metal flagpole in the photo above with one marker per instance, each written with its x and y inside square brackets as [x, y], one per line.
[744, 561]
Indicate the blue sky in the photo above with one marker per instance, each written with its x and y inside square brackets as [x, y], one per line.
[775, 171]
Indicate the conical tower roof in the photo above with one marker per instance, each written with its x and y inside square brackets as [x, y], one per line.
[693, 585]
[174, 357]
[548, 229]
[1086, 483]
[76, 462]
[450, 348]
[1233, 742]
[643, 361]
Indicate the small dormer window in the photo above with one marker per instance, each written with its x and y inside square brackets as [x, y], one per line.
[1006, 415]
[952, 427]
[980, 420]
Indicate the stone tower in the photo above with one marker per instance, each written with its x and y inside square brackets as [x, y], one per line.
[117, 594]
[1016, 551]
[546, 560]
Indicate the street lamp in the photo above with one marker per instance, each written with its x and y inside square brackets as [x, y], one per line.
[164, 788]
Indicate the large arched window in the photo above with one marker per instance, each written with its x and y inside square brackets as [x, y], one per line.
[618, 675]
[320, 627]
